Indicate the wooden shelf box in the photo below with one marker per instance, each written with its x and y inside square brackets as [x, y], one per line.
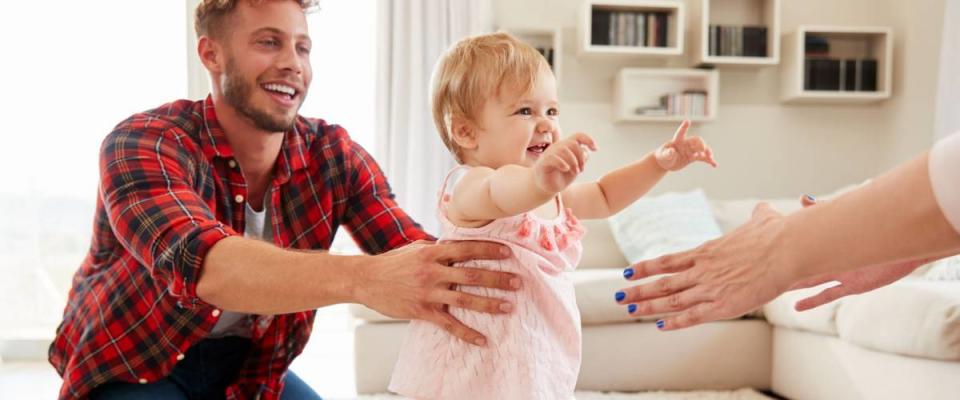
[735, 32]
[548, 41]
[639, 88]
[843, 65]
[630, 27]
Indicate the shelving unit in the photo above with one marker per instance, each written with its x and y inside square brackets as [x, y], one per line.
[590, 45]
[845, 43]
[643, 87]
[543, 39]
[749, 14]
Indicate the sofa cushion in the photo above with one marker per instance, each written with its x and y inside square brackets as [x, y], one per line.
[780, 312]
[672, 222]
[914, 316]
[595, 289]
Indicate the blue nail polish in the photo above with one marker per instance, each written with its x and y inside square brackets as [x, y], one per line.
[628, 273]
[632, 308]
[620, 296]
[811, 198]
[660, 324]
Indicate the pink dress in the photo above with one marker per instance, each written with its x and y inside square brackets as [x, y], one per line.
[531, 353]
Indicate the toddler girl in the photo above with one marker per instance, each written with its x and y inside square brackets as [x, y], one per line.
[494, 102]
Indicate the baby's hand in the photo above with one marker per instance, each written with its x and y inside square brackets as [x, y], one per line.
[562, 162]
[681, 151]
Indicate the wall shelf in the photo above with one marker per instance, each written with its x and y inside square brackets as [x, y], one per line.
[545, 40]
[637, 88]
[804, 81]
[616, 27]
[744, 17]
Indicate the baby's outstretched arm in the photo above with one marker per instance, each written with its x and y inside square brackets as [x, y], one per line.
[619, 188]
[485, 194]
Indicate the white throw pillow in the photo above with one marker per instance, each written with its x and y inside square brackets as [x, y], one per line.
[658, 225]
[947, 269]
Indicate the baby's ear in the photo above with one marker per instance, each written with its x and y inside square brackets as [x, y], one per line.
[463, 132]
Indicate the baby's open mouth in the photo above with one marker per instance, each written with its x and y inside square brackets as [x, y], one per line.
[538, 148]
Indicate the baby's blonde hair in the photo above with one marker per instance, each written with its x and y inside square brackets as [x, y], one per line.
[473, 70]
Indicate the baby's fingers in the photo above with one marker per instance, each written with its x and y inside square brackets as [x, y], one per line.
[584, 139]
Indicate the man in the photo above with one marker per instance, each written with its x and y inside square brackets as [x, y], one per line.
[177, 297]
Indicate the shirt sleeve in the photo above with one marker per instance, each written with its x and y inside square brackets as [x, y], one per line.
[147, 187]
[944, 166]
[375, 221]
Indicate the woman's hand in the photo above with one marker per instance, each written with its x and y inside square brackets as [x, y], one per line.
[682, 150]
[852, 282]
[721, 279]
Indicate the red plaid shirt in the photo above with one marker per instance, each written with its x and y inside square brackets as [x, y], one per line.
[169, 190]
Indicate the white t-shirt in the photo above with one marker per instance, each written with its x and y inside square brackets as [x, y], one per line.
[945, 177]
[257, 226]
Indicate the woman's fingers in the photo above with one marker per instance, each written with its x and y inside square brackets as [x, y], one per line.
[666, 264]
[695, 315]
[668, 304]
[827, 295]
[665, 286]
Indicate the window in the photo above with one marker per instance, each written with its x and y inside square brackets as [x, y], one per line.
[68, 81]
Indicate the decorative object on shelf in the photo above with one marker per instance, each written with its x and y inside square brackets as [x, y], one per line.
[661, 94]
[734, 33]
[837, 64]
[631, 27]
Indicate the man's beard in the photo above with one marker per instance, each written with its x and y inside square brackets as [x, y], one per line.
[237, 93]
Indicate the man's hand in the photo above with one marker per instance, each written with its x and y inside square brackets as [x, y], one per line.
[682, 150]
[562, 162]
[415, 282]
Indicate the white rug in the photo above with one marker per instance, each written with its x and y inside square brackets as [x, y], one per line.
[741, 394]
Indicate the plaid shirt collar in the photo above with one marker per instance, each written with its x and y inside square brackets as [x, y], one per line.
[214, 143]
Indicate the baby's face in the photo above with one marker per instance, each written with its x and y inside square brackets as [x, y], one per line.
[516, 128]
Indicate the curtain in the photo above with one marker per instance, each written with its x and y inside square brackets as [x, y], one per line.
[411, 36]
[948, 96]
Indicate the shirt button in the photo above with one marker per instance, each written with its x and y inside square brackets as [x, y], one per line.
[143, 381]
[232, 164]
[216, 313]
[180, 357]
[238, 198]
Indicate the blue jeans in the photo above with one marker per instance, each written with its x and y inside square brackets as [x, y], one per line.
[205, 372]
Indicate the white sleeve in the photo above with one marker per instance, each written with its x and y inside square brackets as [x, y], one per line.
[945, 177]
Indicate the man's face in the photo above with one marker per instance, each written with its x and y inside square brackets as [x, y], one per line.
[267, 63]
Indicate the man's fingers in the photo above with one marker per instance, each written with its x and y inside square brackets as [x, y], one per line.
[468, 301]
[448, 253]
[661, 265]
[482, 278]
[827, 295]
[698, 314]
[665, 286]
[681, 132]
[457, 328]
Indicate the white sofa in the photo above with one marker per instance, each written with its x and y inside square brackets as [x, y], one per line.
[851, 349]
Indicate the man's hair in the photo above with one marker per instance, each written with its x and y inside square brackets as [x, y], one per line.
[475, 69]
[211, 14]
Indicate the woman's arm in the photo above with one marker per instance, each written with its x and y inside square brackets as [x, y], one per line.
[893, 219]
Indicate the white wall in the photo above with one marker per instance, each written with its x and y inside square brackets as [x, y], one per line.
[764, 148]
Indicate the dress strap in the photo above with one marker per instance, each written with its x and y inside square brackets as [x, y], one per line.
[443, 196]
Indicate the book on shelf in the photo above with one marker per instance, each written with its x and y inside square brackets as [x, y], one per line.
[628, 28]
[737, 41]
[688, 103]
[814, 45]
[831, 74]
